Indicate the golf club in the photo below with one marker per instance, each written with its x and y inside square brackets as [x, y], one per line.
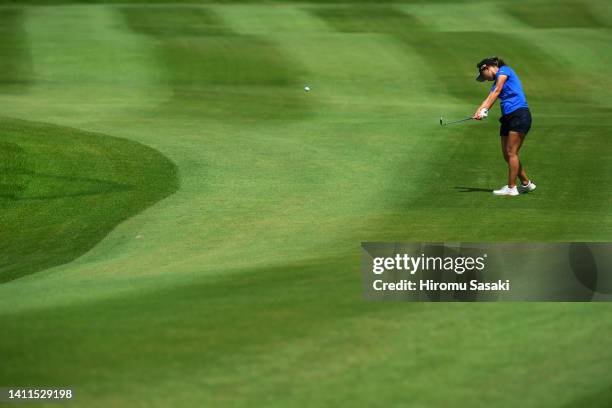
[442, 123]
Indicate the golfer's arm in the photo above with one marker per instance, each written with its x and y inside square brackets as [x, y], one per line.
[494, 93]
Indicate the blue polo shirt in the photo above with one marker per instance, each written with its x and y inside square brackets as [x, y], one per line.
[512, 96]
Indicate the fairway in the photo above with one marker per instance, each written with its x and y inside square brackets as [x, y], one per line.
[181, 222]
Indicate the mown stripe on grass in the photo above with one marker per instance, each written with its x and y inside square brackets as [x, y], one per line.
[98, 80]
[15, 60]
[367, 19]
[474, 16]
[556, 14]
[215, 72]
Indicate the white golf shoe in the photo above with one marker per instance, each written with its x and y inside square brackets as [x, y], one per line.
[526, 189]
[506, 191]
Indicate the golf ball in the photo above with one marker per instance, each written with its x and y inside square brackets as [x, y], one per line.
[307, 88]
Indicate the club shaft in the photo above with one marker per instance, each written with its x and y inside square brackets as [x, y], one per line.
[458, 121]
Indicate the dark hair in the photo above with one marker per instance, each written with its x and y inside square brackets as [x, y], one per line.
[497, 61]
[500, 62]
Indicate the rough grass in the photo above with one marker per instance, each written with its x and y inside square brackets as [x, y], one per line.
[63, 190]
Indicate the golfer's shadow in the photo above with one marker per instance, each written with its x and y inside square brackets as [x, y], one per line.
[473, 190]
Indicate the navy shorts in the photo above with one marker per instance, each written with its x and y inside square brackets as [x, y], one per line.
[517, 121]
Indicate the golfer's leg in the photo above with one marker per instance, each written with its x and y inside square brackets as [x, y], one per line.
[504, 143]
[514, 142]
[521, 174]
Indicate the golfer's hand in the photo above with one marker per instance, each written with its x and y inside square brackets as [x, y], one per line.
[481, 113]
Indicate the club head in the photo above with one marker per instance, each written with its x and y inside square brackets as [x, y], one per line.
[441, 121]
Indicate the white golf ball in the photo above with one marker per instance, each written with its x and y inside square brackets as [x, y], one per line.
[307, 88]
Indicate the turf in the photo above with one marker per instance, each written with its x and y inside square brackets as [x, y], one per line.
[181, 221]
[63, 190]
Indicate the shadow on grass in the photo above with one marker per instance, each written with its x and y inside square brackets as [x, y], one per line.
[473, 190]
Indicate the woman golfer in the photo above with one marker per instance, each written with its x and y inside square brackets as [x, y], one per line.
[515, 120]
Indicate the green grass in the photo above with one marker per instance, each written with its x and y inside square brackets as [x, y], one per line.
[63, 190]
[214, 71]
[17, 70]
[181, 222]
